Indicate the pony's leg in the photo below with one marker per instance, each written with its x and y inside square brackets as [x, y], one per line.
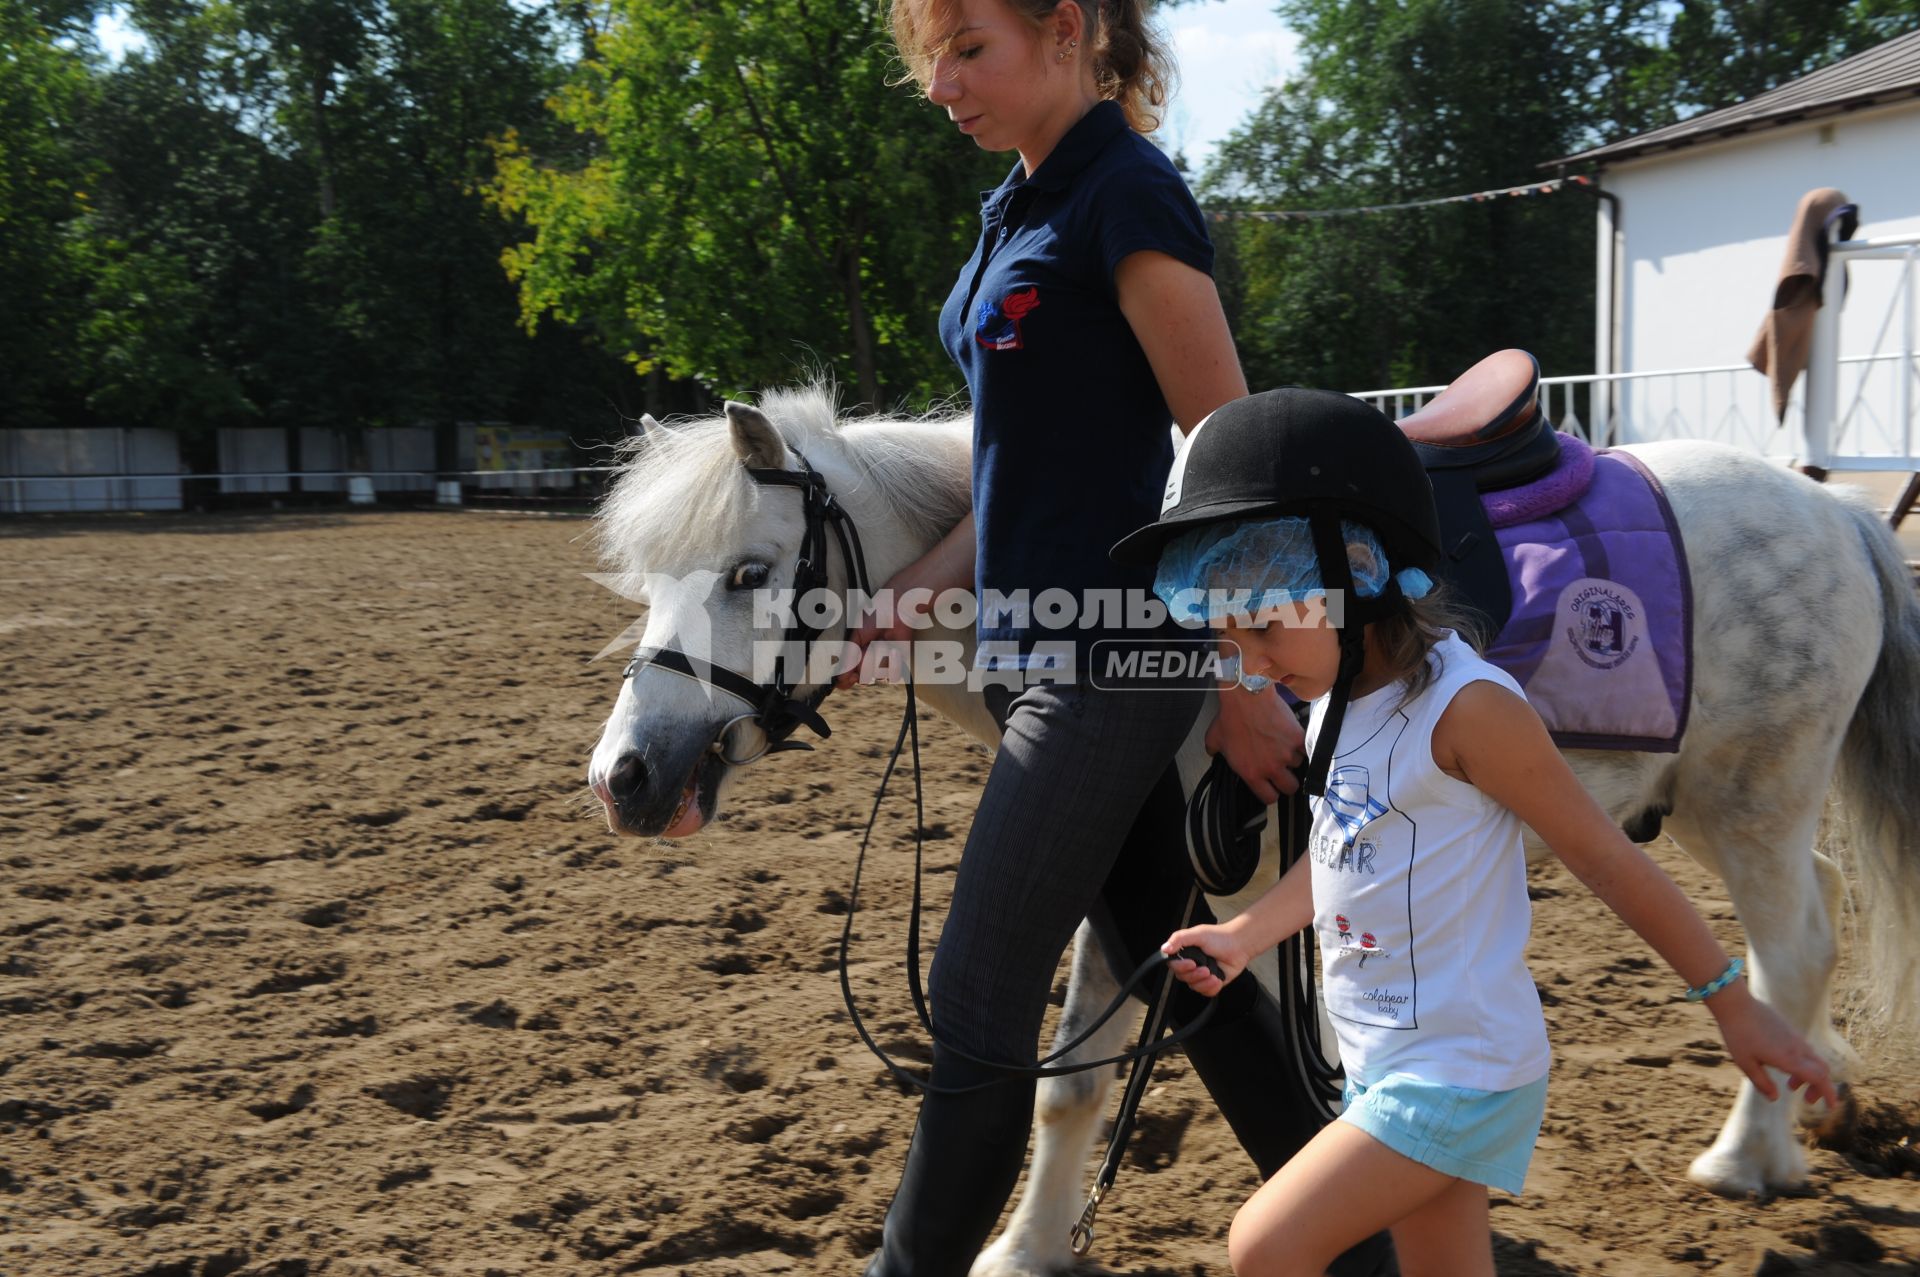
[1067, 1113]
[1774, 878]
[1833, 1048]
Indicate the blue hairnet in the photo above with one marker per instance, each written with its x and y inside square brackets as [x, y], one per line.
[1237, 568]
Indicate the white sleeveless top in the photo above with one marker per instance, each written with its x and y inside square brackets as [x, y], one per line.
[1420, 898]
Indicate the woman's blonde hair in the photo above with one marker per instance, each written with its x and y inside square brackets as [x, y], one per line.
[1130, 65]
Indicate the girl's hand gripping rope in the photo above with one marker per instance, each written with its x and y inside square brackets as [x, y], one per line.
[1188, 950]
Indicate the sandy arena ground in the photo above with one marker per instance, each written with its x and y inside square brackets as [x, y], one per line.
[318, 958]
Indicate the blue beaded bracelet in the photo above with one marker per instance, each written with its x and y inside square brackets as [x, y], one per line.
[1718, 983]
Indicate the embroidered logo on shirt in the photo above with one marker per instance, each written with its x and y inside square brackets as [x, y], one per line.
[999, 323]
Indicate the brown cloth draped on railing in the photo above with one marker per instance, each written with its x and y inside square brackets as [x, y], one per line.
[1786, 335]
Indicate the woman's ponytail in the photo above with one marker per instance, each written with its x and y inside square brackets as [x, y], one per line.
[1130, 63]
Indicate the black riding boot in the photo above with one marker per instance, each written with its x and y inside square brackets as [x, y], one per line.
[961, 1168]
[1239, 1057]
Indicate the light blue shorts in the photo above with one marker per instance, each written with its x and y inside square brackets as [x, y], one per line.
[1484, 1136]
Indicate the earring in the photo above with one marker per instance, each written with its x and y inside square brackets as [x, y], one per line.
[1066, 53]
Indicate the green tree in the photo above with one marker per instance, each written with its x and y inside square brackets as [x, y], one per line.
[756, 200]
[46, 180]
[1403, 100]
[194, 318]
[288, 229]
[1725, 51]
[390, 105]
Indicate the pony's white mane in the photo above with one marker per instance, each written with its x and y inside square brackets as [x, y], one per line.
[684, 482]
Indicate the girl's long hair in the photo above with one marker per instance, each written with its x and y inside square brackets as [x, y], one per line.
[1405, 638]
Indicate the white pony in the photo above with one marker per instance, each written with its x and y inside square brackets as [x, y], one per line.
[1807, 670]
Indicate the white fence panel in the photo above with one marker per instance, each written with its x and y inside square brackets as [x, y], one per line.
[85, 470]
[401, 448]
[152, 452]
[253, 459]
[321, 449]
[1861, 408]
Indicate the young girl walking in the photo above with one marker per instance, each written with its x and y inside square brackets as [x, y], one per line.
[1300, 524]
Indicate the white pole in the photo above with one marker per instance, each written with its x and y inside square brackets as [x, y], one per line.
[1823, 366]
[1605, 249]
[1905, 398]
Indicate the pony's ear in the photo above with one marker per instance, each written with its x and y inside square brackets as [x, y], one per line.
[643, 427]
[754, 437]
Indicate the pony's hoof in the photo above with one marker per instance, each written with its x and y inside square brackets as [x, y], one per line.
[1727, 1176]
[1006, 1258]
[1731, 1175]
[1834, 1127]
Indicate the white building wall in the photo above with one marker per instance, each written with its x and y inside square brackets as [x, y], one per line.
[1705, 230]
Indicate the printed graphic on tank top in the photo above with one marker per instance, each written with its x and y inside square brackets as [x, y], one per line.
[1362, 846]
[1420, 898]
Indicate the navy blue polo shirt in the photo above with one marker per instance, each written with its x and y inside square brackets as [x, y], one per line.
[1071, 435]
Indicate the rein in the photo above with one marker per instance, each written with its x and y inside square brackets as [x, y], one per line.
[1046, 1066]
[779, 712]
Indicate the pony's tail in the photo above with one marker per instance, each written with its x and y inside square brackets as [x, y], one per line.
[1879, 778]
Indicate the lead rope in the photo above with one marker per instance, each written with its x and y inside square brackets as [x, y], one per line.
[1081, 1238]
[1045, 1066]
[1318, 1081]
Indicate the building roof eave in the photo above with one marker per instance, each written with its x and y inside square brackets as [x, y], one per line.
[1886, 74]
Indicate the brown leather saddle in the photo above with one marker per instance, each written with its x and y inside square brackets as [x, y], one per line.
[1486, 431]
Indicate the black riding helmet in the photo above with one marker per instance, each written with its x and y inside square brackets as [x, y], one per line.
[1315, 454]
[1300, 452]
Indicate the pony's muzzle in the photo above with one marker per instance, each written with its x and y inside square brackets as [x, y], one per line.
[659, 799]
[627, 780]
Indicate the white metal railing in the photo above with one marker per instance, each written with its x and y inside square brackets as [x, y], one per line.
[1729, 403]
[1837, 439]
[60, 493]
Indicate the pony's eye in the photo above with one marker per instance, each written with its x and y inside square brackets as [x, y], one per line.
[749, 576]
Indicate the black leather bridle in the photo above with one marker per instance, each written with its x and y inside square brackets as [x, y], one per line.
[774, 707]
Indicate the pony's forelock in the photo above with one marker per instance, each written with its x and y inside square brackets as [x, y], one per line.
[683, 488]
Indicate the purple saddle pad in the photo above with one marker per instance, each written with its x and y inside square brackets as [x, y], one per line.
[1601, 633]
[1559, 488]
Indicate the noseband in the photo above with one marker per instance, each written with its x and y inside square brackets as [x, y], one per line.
[774, 707]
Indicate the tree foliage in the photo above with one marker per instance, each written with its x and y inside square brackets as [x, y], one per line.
[273, 217]
[1723, 51]
[758, 200]
[45, 181]
[347, 213]
[1403, 100]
